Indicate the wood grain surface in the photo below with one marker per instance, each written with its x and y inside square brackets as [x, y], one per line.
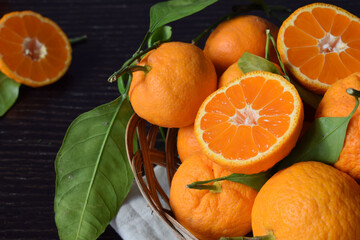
[31, 133]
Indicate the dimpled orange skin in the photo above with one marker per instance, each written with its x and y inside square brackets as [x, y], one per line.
[186, 142]
[309, 200]
[231, 73]
[207, 215]
[230, 39]
[180, 78]
[337, 103]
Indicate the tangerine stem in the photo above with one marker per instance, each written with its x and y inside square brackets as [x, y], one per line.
[201, 185]
[124, 69]
[308, 97]
[270, 236]
[356, 94]
[270, 36]
[196, 40]
[267, 45]
[77, 39]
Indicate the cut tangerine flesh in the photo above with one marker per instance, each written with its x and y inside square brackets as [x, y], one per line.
[319, 43]
[250, 124]
[33, 49]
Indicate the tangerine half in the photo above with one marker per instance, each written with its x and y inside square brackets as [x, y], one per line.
[33, 49]
[250, 124]
[320, 44]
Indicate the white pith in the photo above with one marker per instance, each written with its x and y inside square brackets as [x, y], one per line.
[34, 49]
[330, 44]
[246, 116]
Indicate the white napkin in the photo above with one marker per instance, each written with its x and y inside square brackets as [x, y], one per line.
[135, 220]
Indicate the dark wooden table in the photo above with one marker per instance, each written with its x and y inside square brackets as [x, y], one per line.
[31, 132]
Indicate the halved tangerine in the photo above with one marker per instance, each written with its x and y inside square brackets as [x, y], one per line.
[33, 49]
[320, 44]
[250, 124]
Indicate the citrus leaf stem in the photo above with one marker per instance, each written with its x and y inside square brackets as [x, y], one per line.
[77, 39]
[255, 181]
[201, 185]
[270, 236]
[125, 67]
[307, 96]
[196, 40]
[238, 9]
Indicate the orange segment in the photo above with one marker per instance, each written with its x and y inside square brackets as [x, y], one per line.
[299, 56]
[262, 138]
[295, 37]
[313, 67]
[282, 105]
[276, 125]
[333, 69]
[271, 90]
[311, 41]
[251, 88]
[339, 25]
[256, 128]
[324, 16]
[307, 22]
[33, 49]
[350, 62]
[242, 145]
[221, 105]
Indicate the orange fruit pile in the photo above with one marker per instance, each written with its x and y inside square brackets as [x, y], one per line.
[33, 49]
[231, 122]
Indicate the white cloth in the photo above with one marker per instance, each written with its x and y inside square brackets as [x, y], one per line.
[135, 220]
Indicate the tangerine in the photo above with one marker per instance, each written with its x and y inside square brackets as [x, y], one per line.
[320, 44]
[309, 200]
[250, 124]
[337, 103]
[209, 214]
[171, 92]
[231, 38]
[33, 49]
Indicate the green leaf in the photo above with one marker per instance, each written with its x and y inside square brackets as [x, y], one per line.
[255, 181]
[322, 142]
[163, 13]
[249, 62]
[9, 92]
[161, 34]
[93, 175]
[122, 82]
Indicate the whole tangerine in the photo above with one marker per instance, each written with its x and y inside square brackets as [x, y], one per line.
[337, 103]
[230, 39]
[209, 215]
[170, 93]
[309, 200]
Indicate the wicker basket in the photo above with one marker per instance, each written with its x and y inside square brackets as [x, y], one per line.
[142, 164]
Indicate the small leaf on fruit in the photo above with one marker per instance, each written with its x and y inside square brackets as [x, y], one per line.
[161, 34]
[250, 62]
